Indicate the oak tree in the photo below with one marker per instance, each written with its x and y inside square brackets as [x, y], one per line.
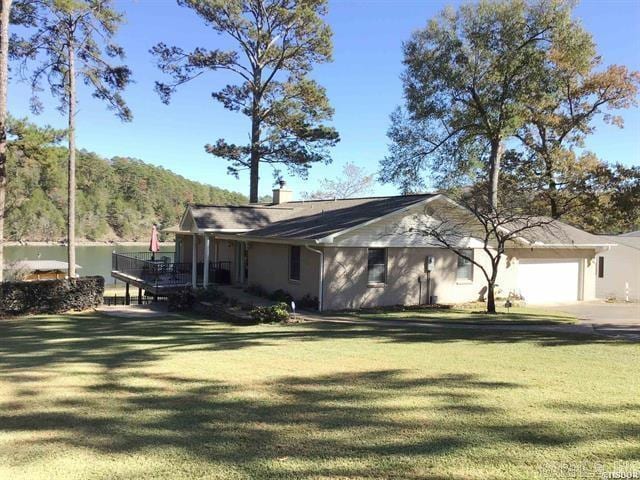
[468, 77]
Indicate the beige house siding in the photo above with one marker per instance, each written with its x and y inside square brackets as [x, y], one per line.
[346, 278]
[621, 267]
[269, 268]
[345, 272]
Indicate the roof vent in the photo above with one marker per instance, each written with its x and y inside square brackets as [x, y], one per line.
[282, 194]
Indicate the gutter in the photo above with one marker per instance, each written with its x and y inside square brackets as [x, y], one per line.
[320, 294]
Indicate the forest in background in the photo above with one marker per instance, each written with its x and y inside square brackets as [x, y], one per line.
[118, 199]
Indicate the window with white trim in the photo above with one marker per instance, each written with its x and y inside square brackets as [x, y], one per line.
[376, 265]
[464, 273]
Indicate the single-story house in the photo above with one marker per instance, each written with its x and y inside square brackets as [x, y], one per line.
[618, 269]
[349, 253]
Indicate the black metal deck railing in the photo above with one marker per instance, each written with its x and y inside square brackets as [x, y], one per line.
[160, 269]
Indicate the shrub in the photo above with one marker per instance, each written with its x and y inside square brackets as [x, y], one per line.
[272, 314]
[257, 290]
[181, 301]
[281, 296]
[51, 296]
[211, 294]
[308, 302]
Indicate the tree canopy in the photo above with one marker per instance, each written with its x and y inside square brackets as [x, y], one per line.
[468, 78]
[277, 44]
[118, 198]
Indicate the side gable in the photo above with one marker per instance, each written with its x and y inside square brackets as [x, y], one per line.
[187, 222]
[394, 230]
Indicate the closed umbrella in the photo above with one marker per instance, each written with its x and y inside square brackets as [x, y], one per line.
[154, 244]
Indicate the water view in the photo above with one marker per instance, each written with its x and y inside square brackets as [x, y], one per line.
[94, 260]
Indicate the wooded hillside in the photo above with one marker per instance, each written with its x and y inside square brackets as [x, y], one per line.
[118, 198]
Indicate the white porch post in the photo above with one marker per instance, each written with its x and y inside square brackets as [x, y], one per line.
[194, 261]
[205, 280]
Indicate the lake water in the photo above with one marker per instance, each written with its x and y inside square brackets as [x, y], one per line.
[94, 260]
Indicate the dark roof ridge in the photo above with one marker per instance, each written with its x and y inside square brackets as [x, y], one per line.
[248, 206]
[374, 197]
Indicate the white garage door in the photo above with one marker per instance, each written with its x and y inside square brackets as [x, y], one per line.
[548, 281]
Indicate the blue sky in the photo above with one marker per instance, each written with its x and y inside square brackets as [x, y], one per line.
[362, 83]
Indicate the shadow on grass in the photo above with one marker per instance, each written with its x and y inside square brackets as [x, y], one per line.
[364, 424]
[345, 425]
[465, 316]
[114, 342]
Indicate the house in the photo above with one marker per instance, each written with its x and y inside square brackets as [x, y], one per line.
[618, 269]
[349, 254]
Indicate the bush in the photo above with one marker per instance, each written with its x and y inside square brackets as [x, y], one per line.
[281, 296]
[51, 296]
[275, 313]
[257, 290]
[210, 294]
[308, 302]
[181, 301]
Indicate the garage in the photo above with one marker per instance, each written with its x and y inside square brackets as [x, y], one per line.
[549, 280]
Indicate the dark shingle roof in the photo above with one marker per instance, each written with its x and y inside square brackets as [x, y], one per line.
[315, 219]
[304, 220]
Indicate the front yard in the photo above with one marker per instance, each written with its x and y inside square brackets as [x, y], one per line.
[88, 396]
[468, 313]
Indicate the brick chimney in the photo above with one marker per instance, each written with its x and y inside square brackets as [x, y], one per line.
[282, 194]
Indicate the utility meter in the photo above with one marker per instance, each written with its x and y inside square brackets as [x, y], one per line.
[429, 264]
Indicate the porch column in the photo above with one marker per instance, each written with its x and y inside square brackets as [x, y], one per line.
[194, 261]
[205, 280]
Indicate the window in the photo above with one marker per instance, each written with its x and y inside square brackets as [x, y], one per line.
[465, 267]
[377, 265]
[600, 267]
[294, 263]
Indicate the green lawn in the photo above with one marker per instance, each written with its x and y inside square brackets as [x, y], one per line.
[85, 396]
[470, 313]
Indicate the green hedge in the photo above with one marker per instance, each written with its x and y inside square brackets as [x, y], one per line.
[51, 296]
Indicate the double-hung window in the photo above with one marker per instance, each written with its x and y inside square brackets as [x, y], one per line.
[464, 273]
[377, 265]
[294, 262]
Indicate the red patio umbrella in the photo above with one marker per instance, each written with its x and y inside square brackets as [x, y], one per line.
[154, 244]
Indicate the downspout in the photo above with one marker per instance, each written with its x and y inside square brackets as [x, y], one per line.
[321, 292]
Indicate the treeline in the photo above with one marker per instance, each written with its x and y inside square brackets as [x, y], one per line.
[117, 199]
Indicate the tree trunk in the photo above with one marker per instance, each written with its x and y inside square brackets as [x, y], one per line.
[255, 159]
[491, 298]
[71, 220]
[494, 172]
[255, 136]
[5, 6]
[553, 189]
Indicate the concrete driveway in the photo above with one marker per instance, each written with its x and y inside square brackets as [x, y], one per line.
[608, 318]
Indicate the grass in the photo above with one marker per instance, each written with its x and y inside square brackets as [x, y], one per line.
[88, 396]
[469, 313]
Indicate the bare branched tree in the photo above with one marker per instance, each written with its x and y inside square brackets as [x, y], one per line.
[354, 181]
[458, 225]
